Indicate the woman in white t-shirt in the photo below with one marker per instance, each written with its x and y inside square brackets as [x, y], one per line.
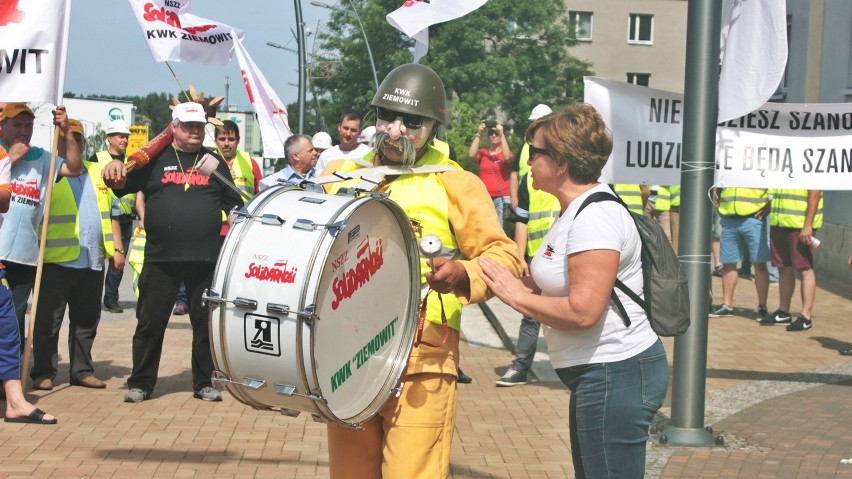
[617, 374]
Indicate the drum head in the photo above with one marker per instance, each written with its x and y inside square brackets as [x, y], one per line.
[367, 304]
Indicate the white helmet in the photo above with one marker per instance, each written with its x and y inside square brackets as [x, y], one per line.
[366, 135]
[116, 127]
[539, 111]
[321, 140]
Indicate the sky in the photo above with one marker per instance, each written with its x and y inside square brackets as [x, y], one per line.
[107, 53]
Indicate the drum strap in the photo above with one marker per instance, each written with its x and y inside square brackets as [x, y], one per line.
[422, 320]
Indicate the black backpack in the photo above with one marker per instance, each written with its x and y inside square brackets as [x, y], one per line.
[666, 290]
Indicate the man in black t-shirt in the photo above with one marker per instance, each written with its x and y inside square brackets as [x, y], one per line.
[183, 216]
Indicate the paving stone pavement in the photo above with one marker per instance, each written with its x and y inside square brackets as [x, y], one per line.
[778, 398]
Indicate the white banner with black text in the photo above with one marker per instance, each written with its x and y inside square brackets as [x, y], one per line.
[779, 145]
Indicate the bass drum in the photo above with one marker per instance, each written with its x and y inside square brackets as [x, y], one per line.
[314, 304]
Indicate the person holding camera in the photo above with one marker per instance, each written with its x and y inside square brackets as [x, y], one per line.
[495, 164]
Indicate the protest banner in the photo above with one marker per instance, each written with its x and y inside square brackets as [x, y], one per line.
[753, 54]
[271, 115]
[34, 39]
[415, 17]
[174, 34]
[780, 145]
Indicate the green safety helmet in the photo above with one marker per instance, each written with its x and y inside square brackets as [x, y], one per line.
[415, 89]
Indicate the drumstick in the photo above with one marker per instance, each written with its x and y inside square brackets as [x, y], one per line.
[430, 246]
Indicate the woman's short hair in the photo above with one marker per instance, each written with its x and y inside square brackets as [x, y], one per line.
[577, 137]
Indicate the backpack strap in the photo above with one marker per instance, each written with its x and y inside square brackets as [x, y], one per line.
[597, 197]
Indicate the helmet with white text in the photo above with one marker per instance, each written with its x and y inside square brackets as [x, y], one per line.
[414, 89]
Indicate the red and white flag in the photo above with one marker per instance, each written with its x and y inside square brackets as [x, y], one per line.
[34, 42]
[417, 15]
[753, 54]
[271, 114]
[174, 34]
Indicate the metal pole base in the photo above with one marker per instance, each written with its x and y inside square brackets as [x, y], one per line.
[678, 436]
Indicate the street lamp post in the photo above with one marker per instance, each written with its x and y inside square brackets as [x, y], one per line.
[364, 33]
[300, 33]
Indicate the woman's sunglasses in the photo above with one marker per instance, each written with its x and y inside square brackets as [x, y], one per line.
[534, 151]
[410, 121]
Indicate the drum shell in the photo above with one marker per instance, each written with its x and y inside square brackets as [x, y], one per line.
[291, 319]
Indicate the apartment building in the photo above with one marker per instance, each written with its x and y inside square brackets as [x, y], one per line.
[636, 41]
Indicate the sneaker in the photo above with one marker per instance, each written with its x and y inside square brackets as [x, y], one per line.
[136, 395]
[717, 271]
[778, 317]
[207, 394]
[112, 306]
[180, 309]
[722, 311]
[800, 324]
[762, 313]
[513, 377]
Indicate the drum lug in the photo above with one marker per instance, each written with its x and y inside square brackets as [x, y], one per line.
[218, 378]
[397, 391]
[283, 309]
[268, 218]
[245, 303]
[308, 225]
[290, 390]
[213, 297]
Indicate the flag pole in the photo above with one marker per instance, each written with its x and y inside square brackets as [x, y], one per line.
[51, 176]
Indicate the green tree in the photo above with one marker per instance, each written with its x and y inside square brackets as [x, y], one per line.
[505, 57]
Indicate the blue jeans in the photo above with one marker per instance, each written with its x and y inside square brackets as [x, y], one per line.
[610, 410]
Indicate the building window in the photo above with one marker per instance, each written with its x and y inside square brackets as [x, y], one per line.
[643, 79]
[641, 29]
[582, 22]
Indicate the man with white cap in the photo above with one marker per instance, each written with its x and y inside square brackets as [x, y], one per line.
[520, 166]
[321, 141]
[183, 217]
[123, 210]
[366, 136]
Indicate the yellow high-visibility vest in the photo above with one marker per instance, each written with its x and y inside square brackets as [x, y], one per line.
[789, 207]
[742, 201]
[63, 227]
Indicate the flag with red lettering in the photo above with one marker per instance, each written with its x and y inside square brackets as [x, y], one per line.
[415, 16]
[753, 54]
[33, 49]
[271, 115]
[174, 34]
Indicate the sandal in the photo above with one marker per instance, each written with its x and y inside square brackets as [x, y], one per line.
[35, 417]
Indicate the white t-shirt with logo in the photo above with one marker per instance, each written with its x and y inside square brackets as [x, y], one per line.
[19, 237]
[602, 225]
[334, 153]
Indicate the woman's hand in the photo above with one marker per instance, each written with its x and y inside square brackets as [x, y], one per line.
[481, 128]
[501, 281]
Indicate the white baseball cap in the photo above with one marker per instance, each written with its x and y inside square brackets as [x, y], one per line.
[321, 140]
[189, 112]
[539, 111]
[117, 127]
[366, 134]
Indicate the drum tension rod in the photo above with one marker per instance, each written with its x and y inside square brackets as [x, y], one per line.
[308, 225]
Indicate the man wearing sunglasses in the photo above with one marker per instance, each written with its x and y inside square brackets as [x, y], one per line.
[411, 435]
